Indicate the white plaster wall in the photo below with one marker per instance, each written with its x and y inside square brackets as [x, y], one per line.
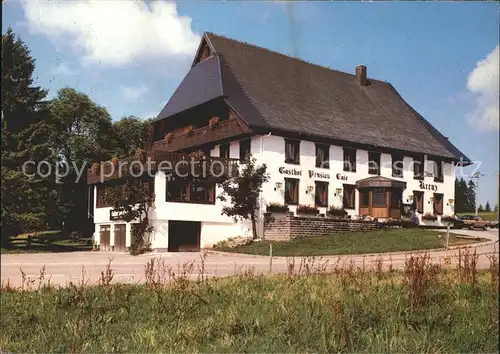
[270, 149]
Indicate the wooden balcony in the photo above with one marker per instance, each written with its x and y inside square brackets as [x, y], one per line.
[200, 136]
[154, 160]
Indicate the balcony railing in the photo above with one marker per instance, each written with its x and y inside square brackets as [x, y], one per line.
[154, 160]
[200, 136]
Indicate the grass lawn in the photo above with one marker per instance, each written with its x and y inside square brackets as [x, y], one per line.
[491, 215]
[388, 240]
[316, 313]
[46, 241]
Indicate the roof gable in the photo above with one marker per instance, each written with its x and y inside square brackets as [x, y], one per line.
[201, 84]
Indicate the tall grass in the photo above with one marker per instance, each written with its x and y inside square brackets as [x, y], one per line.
[420, 309]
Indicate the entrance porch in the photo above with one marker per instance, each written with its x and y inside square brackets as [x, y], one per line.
[380, 197]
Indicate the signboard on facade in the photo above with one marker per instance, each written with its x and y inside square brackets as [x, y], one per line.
[318, 174]
[290, 172]
[428, 186]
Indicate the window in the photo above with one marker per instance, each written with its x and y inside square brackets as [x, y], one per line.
[364, 199]
[292, 151]
[396, 198]
[244, 148]
[397, 166]
[379, 198]
[224, 150]
[322, 156]
[190, 190]
[101, 189]
[438, 171]
[418, 168]
[321, 193]
[348, 196]
[374, 163]
[438, 204]
[418, 201]
[291, 191]
[349, 160]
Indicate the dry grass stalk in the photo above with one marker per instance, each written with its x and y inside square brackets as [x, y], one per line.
[107, 275]
[493, 269]
[420, 274]
[467, 266]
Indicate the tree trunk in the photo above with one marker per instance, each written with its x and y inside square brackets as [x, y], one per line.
[254, 226]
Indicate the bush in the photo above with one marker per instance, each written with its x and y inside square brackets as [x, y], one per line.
[307, 209]
[277, 208]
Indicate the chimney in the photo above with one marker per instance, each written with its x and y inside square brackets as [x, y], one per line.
[361, 75]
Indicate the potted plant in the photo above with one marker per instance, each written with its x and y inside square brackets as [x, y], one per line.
[429, 217]
[188, 130]
[336, 211]
[115, 160]
[277, 208]
[197, 155]
[307, 209]
[96, 168]
[169, 137]
[212, 123]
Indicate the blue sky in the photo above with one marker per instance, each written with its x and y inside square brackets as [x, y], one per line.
[129, 57]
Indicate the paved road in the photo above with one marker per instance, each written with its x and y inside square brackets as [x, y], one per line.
[64, 267]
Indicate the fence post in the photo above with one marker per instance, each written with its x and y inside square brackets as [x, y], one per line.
[270, 258]
[447, 235]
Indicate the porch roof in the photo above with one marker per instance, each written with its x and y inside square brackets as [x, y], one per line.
[380, 182]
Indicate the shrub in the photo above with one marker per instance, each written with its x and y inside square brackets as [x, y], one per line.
[448, 218]
[336, 211]
[96, 168]
[307, 209]
[277, 208]
[212, 123]
[430, 217]
[188, 130]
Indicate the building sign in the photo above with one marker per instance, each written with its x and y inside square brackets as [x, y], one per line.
[428, 174]
[341, 177]
[318, 174]
[115, 215]
[290, 172]
[429, 187]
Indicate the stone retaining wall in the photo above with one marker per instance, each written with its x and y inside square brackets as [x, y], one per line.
[286, 226]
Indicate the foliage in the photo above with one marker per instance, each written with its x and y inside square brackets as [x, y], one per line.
[169, 137]
[429, 216]
[465, 196]
[480, 209]
[243, 191]
[348, 311]
[487, 207]
[212, 123]
[132, 200]
[28, 202]
[307, 209]
[130, 134]
[336, 211]
[277, 207]
[188, 130]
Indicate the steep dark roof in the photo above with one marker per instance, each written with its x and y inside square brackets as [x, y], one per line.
[272, 91]
[202, 84]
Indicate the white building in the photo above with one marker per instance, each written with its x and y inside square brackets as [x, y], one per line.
[328, 139]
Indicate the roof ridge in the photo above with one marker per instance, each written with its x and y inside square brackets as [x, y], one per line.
[286, 55]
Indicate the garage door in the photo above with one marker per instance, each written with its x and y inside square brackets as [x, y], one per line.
[184, 236]
[104, 237]
[120, 238]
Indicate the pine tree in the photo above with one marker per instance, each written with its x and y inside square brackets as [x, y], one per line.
[460, 196]
[471, 196]
[487, 207]
[480, 209]
[26, 200]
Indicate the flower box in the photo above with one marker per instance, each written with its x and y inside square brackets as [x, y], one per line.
[212, 123]
[277, 208]
[169, 137]
[141, 154]
[115, 160]
[197, 155]
[337, 212]
[188, 130]
[429, 217]
[307, 210]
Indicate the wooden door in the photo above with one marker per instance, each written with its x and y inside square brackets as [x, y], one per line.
[120, 237]
[104, 236]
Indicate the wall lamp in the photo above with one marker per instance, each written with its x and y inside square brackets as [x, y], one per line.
[309, 189]
[338, 192]
[277, 185]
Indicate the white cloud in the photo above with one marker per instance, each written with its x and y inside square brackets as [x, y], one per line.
[115, 32]
[62, 69]
[483, 82]
[133, 93]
